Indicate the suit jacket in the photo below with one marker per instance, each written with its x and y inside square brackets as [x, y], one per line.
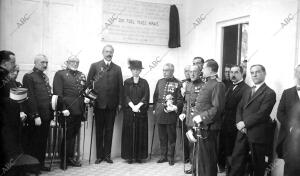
[233, 97]
[69, 85]
[210, 104]
[255, 112]
[288, 102]
[163, 88]
[39, 94]
[108, 84]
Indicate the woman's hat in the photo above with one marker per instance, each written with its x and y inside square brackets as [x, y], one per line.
[135, 64]
[18, 94]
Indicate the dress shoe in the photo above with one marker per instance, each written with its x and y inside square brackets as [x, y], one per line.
[46, 169]
[162, 160]
[62, 167]
[171, 162]
[138, 160]
[98, 161]
[188, 171]
[74, 163]
[130, 161]
[186, 160]
[108, 160]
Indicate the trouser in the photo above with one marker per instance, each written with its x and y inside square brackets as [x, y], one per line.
[240, 156]
[187, 154]
[73, 127]
[104, 119]
[207, 154]
[221, 149]
[36, 140]
[167, 139]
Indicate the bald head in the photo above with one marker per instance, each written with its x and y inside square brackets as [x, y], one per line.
[108, 52]
[41, 62]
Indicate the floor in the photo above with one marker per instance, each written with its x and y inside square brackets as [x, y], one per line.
[121, 168]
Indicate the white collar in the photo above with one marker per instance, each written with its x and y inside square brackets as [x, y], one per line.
[238, 82]
[106, 62]
[257, 86]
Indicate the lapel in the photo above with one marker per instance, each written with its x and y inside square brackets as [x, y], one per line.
[256, 94]
[294, 94]
[230, 93]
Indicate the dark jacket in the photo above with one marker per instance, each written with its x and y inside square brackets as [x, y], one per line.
[287, 106]
[10, 122]
[191, 93]
[69, 85]
[233, 97]
[210, 104]
[108, 84]
[255, 112]
[39, 94]
[163, 88]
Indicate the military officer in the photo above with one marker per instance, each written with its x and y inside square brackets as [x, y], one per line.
[39, 109]
[168, 102]
[69, 85]
[192, 90]
[207, 115]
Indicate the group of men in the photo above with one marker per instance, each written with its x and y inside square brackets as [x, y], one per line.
[213, 114]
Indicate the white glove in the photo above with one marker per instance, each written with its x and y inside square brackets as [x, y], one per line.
[135, 109]
[66, 112]
[38, 121]
[52, 123]
[197, 119]
[86, 100]
[23, 116]
[182, 117]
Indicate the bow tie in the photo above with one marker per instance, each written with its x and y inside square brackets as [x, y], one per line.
[298, 88]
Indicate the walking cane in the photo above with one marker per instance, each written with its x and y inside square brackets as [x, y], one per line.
[152, 139]
[133, 135]
[91, 137]
[84, 126]
[65, 143]
[182, 141]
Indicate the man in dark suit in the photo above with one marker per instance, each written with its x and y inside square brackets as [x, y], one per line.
[207, 117]
[7, 64]
[253, 121]
[69, 84]
[167, 105]
[106, 79]
[289, 119]
[233, 96]
[39, 109]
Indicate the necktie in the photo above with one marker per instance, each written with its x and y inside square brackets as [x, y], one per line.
[253, 91]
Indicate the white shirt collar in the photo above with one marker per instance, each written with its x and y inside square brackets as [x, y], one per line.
[258, 86]
[238, 82]
[106, 62]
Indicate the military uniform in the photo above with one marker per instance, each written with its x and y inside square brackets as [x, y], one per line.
[39, 105]
[69, 85]
[191, 93]
[167, 121]
[209, 105]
